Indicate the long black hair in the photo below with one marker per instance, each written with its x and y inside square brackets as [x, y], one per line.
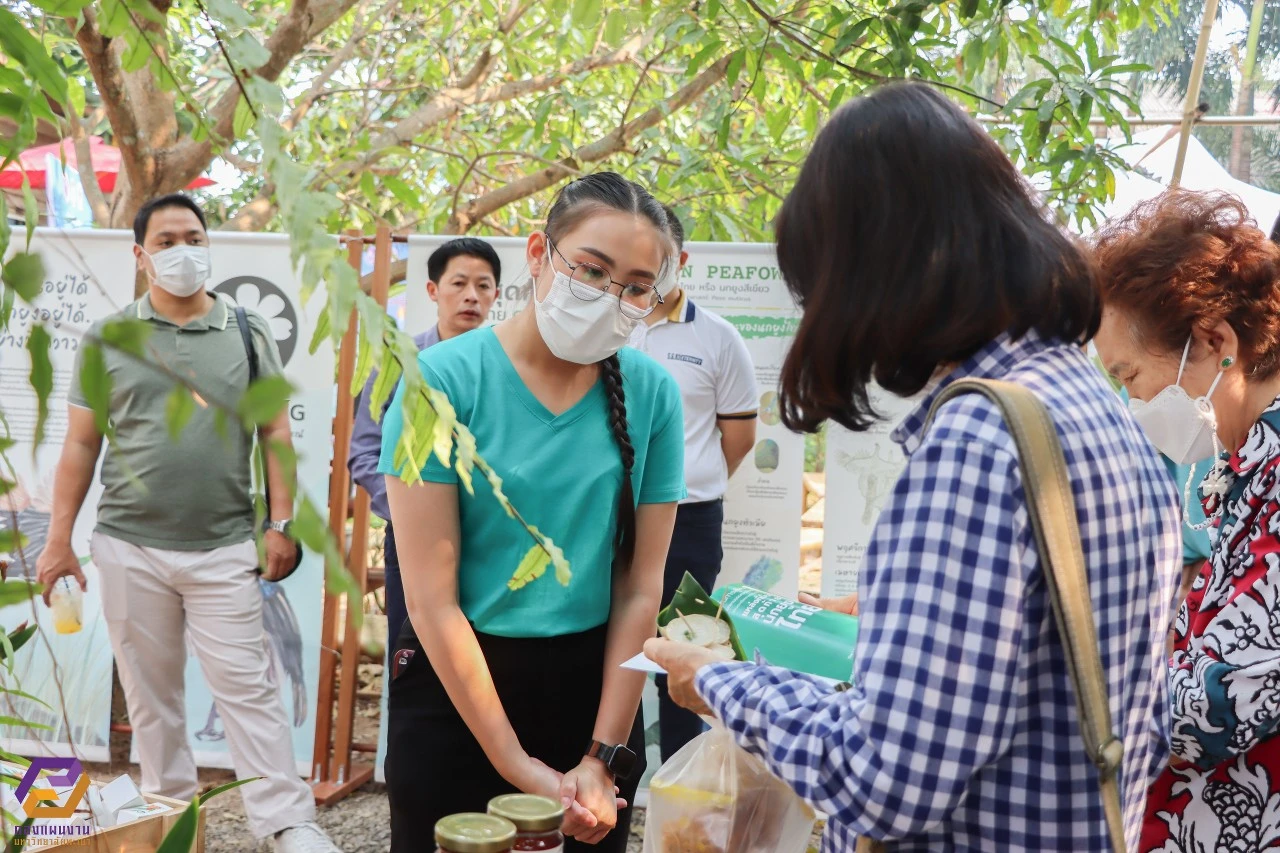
[911, 241]
[575, 202]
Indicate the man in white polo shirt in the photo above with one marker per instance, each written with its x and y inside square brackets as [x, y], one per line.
[709, 360]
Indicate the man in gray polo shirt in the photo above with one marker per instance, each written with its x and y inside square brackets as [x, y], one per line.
[174, 542]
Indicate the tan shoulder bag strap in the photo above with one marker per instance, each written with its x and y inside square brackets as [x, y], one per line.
[1052, 512]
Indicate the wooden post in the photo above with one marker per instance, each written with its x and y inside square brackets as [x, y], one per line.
[1193, 90]
[333, 774]
[345, 771]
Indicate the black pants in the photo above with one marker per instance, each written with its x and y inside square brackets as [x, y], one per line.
[696, 549]
[550, 689]
[392, 591]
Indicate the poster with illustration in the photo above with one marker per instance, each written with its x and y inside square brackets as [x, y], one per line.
[88, 276]
[861, 470]
[742, 283]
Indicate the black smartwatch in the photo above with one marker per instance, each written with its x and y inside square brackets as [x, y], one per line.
[619, 760]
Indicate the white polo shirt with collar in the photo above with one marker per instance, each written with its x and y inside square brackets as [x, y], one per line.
[717, 379]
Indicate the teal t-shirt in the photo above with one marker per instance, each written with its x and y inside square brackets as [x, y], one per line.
[562, 472]
[1195, 543]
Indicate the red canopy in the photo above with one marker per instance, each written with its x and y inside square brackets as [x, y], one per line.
[105, 158]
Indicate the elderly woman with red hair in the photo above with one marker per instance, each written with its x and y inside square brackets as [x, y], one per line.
[1191, 326]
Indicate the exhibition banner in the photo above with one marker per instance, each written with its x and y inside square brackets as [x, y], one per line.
[90, 275]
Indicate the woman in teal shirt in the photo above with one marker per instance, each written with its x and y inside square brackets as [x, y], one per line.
[494, 690]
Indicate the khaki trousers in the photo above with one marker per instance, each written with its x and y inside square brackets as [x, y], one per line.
[150, 597]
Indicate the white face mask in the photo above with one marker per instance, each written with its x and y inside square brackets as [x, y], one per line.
[1183, 429]
[668, 283]
[580, 331]
[182, 270]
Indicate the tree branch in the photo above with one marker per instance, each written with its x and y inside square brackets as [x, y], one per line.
[451, 101]
[607, 145]
[104, 65]
[254, 215]
[88, 178]
[304, 21]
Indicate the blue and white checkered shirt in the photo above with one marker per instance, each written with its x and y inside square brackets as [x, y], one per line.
[960, 732]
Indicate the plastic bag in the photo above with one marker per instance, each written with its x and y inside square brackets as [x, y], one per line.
[714, 797]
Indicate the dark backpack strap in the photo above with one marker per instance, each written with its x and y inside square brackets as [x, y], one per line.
[242, 320]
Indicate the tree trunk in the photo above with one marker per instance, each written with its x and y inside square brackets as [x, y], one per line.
[1242, 137]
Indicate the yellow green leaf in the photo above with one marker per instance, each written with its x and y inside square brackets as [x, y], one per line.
[532, 567]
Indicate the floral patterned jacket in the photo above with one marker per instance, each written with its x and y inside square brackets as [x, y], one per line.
[1221, 791]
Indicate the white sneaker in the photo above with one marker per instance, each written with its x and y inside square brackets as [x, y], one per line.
[304, 838]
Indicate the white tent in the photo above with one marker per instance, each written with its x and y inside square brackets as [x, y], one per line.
[1201, 172]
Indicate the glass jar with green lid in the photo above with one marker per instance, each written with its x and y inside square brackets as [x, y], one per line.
[537, 821]
[474, 833]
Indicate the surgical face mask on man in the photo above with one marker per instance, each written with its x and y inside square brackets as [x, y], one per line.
[577, 330]
[1183, 429]
[181, 270]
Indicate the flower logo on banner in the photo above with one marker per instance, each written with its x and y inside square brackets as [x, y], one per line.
[271, 303]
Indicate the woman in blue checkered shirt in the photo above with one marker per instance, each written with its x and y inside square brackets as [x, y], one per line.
[921, 257]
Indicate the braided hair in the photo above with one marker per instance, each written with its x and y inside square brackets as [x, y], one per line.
[576, 201]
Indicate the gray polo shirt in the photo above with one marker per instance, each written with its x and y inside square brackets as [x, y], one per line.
[192, 493]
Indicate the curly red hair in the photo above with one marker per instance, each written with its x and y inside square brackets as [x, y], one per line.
[1191, 259]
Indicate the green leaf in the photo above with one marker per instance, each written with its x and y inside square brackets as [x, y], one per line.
[113, 18]
[19, 638]
[21, 833]
[31, 210]
[585, 13]
[41, 378]
[736, 62]
[401, 191]
[246, 52]
[973, 58]
[15, 591]
[837, 97]
[126, 334]
[228, 13]
[532, 566]
[700, 59]
[222, 789]
[24, 272]
[264, 400]
[9, 691]
[6, 648]
[62, 8]
[95, 384]
[17, 42]
[615, 28]
[690, 598]
[242, 119]
[145, 10]
[24, 724]
[75, 96]
[137, 51]
[6, 231]
[464, 459]
[178, 409]
[182, 836]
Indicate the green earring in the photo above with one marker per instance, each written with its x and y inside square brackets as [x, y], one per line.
[1227, 362]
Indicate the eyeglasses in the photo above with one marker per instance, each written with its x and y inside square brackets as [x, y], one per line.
[589, 282]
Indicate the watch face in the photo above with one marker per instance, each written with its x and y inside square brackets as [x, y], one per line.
[623, 762]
